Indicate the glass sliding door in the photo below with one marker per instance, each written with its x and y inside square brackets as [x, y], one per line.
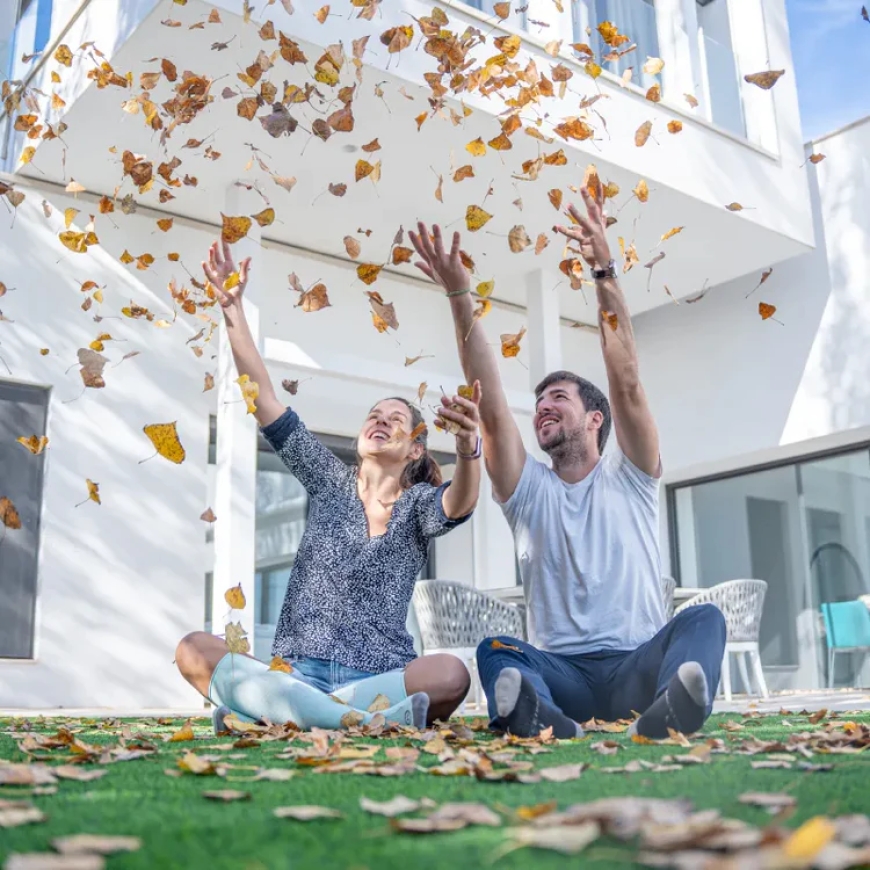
[804, 528]
[836, 496]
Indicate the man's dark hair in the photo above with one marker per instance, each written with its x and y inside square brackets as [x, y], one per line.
[593, 400]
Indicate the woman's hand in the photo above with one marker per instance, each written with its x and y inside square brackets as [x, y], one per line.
[228, 282]
[463, 415]
[443, 267]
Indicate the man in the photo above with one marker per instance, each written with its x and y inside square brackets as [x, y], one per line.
[586, 531]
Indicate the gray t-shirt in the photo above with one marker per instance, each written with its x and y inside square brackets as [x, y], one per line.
[589, 556]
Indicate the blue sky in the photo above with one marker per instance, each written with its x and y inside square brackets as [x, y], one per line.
[830, 46]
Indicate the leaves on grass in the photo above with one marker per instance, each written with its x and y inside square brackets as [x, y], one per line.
[396, 806]
[226, 795]
[306, 813]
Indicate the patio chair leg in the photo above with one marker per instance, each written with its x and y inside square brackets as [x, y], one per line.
[726, 674]
[759, 672]
[744, 672]
[831, 659]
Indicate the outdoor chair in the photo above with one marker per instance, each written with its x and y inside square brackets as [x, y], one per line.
[847, 629]
[741, 603]
[454, 618]
[668, 587]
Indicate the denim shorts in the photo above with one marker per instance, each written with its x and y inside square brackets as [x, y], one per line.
[326, 675]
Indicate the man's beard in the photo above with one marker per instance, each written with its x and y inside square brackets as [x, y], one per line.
[567, 448]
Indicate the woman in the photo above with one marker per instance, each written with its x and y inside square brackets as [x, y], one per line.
[342, 625]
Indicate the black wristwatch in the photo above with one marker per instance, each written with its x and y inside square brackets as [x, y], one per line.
[608, 271]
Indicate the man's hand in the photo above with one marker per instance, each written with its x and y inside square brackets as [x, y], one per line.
[590, 231]
[442, 267]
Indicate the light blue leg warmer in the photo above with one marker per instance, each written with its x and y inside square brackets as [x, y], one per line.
[362, 693]
[249, 687]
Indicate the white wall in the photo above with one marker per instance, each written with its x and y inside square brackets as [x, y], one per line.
[121, 582]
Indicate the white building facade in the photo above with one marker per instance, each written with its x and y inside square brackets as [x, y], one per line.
[95, 596]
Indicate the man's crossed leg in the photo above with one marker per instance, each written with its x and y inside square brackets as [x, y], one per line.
[670, 680]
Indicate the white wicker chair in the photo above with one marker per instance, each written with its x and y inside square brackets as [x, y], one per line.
[742, 603]
[668, 587]
[454, 618]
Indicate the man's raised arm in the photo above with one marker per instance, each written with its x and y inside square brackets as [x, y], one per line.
[635, 427]
[504, 451]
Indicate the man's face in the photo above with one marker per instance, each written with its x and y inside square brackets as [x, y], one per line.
[559, 416]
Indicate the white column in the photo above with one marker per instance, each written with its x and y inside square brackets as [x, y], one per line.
[677, 25]
[236, 466]
[544, 338]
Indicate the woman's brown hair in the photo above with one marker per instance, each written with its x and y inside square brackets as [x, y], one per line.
[425, 469]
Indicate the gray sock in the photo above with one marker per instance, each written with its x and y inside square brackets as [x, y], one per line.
[681, 707]
[522, 712]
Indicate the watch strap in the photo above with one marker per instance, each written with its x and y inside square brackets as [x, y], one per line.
[478, 450]
[609, 271]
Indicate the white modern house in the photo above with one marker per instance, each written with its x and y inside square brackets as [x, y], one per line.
[767, 466]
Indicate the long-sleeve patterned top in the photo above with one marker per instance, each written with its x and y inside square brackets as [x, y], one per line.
[348, 594]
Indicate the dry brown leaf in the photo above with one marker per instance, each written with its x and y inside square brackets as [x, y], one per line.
[225, 795]
[393, 807]
[765, 80]
[570, 840]
[518, 239]
[306, 813]
[642, 134]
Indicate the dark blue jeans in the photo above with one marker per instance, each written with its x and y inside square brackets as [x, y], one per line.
[610, 684]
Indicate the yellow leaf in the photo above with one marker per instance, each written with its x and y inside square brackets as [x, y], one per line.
[63, 55]
[363, 169]
[232, 280]
[368, 272]
[380, 703]
[265, 217]
[654, 94]
[250, 392]
[278, 664]
[485, 288]
[641, 191]
[164, 437]
[809, 839]
[476, 148]
[28, 154]
[69, 215]
[165, 224]
[93, 491]
[510, 344]
[234, 635]
[234, 228]
[235, 597]
[734, 206]
[9, 516]
[184, 734]
[670, 233]
[475, 218]
[592, 69]
[33, 443]
[78, 242]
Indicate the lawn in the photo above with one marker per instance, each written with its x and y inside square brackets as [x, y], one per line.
[179, 827]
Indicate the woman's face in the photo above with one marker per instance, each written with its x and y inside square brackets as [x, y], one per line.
[383, 431]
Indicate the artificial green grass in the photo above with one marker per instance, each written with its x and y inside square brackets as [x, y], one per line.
[180, 828]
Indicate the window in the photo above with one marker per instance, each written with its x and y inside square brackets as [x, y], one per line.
[802, 526]
[23, 411]
[634, 18]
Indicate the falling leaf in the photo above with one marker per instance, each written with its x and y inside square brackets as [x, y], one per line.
[766, 310]
[476, 148]
[816, 158]
[235, 597]
[654, 94]
[383, 314]
[363, 170]
[208, 516]
[540, 243]
[35, 444]
[236, 640]
[691, 100]
[164, 437]
[765, 80]
[653, 66]
[78, 242]
[671, 233]
[510, 344]
[338, 189]
[93, 492]
[234, 228]
[322, 14]
[291, 387]
[641, 191]
[475, 218]
[642, 134]
[734, 206]
[463, 172]
[368, 272]
[439, 190]
[92, 365]
[592, 182]
[518, 239]
[63, 55]
[401, 255]
[265, 217]
[306, 813]
[250, 391]
[8, 514]
[675, 126]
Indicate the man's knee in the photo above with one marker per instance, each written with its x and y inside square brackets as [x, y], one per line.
[490, 646]
[710, 617]
[188, 652]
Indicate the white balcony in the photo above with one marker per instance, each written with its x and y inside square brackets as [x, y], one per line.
[740, 144]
